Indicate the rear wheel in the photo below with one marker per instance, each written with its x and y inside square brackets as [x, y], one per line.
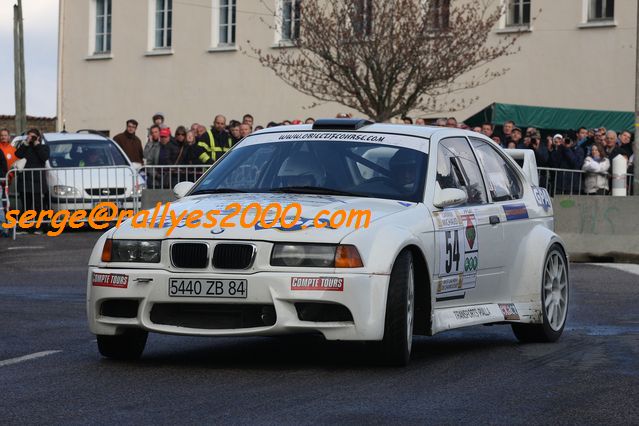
[554, 301]
[128, 345]
[396, 345]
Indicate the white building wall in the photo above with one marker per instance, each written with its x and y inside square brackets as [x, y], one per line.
[560, 64]
[564, 62]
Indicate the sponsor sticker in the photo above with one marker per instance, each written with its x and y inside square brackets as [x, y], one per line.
[110, 280]
[447, 219]
[317, 283]
[509, 310]
[409, 141]
[471, 313]
[302, 224]
[451, 283]
[542, 198]
[515, 211]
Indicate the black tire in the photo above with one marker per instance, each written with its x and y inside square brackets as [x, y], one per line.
[547, 332]
[396, 345]
[126, 346]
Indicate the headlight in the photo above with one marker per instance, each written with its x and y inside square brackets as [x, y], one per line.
[65, 191]
[131, 251]
[316, 255]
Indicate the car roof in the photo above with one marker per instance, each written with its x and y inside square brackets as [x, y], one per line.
[61, 137]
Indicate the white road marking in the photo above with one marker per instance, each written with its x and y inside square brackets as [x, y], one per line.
[25, 248]
[631, 268]
[26, 358]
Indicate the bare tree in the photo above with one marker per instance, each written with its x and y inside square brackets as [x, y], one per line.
[386, 58]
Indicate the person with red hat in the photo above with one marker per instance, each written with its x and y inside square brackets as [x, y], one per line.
[169, 151]
[168, 156]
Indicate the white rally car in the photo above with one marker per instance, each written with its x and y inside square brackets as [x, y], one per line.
[459, 235]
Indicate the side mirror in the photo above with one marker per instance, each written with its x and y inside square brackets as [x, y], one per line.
[182, 188]
[449, 197]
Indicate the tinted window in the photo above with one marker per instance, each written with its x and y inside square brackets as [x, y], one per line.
[457, 168]
[361, 169]
[85, 153]
[501, 178]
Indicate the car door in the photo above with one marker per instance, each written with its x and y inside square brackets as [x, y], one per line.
[506, 190]
[469, 237]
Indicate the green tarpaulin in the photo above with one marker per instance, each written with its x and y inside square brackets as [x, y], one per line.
[553, 118]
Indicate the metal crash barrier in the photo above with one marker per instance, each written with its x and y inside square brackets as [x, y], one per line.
[571, 182]
[166, 177]
[82, 188]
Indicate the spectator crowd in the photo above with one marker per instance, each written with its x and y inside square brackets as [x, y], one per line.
[589, 150]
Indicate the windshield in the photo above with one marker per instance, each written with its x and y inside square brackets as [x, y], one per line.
[85, 153]
[320, 167]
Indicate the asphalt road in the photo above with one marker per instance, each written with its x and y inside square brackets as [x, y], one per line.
[479, 375]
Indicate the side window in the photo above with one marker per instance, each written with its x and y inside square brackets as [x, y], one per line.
[501, 178]
[457, 168]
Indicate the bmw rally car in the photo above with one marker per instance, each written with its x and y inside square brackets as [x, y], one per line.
[459, 235]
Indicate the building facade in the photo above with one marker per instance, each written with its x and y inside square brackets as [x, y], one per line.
[121, 59]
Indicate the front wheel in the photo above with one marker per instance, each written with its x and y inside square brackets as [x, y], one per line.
[396, 345]
[554, 301]
[128, 345]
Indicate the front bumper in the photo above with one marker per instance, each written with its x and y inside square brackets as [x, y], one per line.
[364, 295]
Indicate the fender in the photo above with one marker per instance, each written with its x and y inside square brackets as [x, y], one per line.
[526, 271]
[380, 251]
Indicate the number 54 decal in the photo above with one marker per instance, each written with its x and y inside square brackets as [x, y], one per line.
[452, 252]
[458, 245]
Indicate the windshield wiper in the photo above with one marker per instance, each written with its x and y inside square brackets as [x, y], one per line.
[312, 190]
[219, 191]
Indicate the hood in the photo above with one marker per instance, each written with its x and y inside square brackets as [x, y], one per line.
[93, 177]
[302, 230]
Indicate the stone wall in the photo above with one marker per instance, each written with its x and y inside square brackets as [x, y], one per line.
[44, 124]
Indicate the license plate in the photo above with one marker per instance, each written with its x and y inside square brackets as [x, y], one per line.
[200, 287]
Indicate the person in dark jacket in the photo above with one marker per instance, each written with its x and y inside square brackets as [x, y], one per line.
[214, 142]
[234, 131]
[179, 173]
[130, 143]
[168, 156]
[566, 155]
[32, 185]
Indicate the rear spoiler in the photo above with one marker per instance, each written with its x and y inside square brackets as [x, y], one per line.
[526, 160]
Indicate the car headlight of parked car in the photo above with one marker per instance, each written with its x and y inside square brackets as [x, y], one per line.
[143, 251]
[141, 186]
[316, 255]
[65, 191]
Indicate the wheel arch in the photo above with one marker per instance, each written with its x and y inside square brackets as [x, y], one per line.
[526, 271]
[382, 252]
[422, 323]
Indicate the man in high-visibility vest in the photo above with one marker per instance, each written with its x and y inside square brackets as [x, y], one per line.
[215, 141]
